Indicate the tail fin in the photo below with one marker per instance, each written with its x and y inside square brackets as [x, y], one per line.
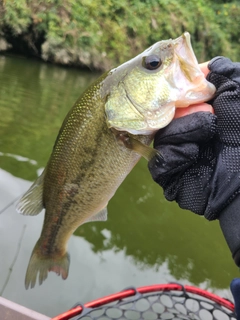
[42, 265]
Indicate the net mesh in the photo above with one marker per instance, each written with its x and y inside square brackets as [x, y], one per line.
[159, 305]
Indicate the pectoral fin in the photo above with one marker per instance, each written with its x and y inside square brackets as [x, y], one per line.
[31, 202]
[145, 151]
[131, 143]
[100, 216]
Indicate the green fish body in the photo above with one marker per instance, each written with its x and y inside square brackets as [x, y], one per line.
[103, 136]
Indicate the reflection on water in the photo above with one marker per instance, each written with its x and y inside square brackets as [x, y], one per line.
[146, 239]
[34, 101]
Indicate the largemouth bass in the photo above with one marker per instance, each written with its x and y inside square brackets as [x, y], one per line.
[101, 139]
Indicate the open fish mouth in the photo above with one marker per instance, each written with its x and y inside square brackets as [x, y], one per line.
[195, 88]
[183, 48]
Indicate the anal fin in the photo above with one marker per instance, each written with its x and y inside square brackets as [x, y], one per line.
[100, 216]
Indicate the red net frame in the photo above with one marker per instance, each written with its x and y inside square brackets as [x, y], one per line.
[158, 289]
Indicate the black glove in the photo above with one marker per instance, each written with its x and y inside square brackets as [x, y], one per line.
[201, 170]
[235, 289]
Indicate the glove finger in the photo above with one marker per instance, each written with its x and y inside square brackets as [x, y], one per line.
[188, 191]
[196, 127]
[190, 186]
[227, 110]
[177, 158]
[225, 75]
[225, 67]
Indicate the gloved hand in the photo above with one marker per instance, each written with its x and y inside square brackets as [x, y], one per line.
[235, 289]
[201, 168]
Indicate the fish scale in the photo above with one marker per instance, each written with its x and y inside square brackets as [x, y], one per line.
[101, 139]
[91, 150]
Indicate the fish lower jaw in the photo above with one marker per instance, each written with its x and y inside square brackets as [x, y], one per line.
[151, 127]
[192, 98]
[184, 104]
[143, 131]
[146, 132]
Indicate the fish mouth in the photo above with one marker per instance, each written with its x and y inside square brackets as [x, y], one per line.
[183, 48]
[197, 89]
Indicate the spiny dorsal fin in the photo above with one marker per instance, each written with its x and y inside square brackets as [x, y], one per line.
[31, 202]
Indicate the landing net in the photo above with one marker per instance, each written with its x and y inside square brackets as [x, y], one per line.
[169, 301]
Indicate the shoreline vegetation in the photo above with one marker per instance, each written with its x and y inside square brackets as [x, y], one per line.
[100, 35]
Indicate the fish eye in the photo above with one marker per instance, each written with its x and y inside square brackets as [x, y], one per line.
[151, 62]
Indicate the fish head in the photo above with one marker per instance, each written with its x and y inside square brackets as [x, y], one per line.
[143, 93]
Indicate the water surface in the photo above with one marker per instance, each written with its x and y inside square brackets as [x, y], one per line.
[146, 239]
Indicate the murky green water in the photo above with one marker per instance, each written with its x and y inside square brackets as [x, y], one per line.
[146, 239]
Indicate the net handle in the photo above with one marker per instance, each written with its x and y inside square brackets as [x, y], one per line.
[146, 289]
